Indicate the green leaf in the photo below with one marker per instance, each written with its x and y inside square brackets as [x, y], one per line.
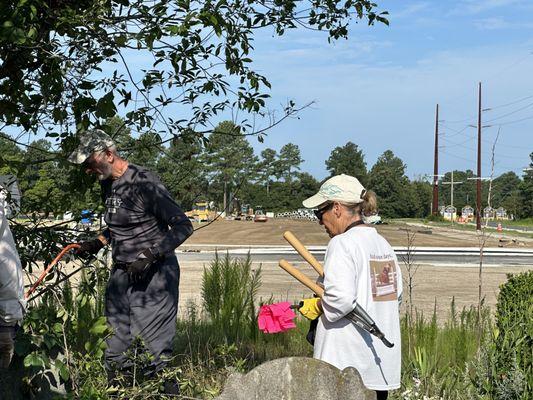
[105, 107]
[99, 326]
[121, 40]
[34, 360]
[86, 85]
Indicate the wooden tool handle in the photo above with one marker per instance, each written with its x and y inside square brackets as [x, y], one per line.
[302, 250]
[301, 277]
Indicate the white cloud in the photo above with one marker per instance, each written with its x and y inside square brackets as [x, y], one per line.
[410, 10]
[480, 6]
[491, 24]
[498, 23]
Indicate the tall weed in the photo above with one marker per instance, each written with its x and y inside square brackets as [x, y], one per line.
[434, 368]
[229, 290]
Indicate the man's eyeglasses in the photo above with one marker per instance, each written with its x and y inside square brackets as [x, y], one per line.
[320, 212]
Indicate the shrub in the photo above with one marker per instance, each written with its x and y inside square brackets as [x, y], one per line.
[513, 341]
[435, 218]
[434, 356]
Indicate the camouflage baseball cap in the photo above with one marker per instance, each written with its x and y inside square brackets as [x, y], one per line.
[90, 142]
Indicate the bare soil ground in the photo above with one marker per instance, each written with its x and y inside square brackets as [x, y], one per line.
[434, 286]
[311, 233]
[432, 283]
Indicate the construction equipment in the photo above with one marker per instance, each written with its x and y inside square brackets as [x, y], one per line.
[200, 212]
[246, 213]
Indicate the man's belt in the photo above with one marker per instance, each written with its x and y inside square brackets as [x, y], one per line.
[121, 265]
[124, 265]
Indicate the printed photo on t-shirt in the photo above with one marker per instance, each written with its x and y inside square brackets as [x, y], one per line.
[384, 280]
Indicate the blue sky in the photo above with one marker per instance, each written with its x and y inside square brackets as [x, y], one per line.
[379, 88]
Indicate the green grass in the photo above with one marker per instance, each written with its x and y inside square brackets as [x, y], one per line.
[528, 222]
[435, 357]
[471, 227]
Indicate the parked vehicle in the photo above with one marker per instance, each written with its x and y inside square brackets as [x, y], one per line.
[260, 216]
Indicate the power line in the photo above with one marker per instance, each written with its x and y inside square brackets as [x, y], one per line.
[515, 121]
[461, 144]
[461, 132]
[509, 104]
[457, 132]
[500, 167]
[510, 113]
[513, 64]
[453, 144]
[459, 157]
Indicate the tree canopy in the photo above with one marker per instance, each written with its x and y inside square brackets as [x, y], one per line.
[349, 160]
[54, 54]
[388, 180]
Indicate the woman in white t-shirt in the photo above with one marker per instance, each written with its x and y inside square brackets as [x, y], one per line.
[360, 268]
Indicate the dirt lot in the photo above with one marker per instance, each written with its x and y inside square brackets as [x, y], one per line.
[310, 233]
[431, 283]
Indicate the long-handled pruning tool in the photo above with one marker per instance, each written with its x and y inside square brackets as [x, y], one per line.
[65, 250]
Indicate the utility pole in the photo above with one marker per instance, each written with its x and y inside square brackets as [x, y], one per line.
[452, 184]
[435, 207]
[478, 201]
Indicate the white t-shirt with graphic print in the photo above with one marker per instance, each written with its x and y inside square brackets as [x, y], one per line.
[361, 267]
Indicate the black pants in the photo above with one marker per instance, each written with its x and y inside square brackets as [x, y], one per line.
[145, 309]
[382, 394]
[7, 345]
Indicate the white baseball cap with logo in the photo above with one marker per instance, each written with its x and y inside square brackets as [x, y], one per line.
[342, 188]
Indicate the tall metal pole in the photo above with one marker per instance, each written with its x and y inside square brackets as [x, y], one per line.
[478, 206]
[436, 167]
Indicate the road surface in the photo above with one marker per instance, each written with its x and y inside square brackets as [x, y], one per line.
[450, 256]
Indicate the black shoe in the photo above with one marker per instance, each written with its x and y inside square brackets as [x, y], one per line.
[171, 387]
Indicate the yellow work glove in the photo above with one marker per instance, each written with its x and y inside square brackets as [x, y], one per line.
[310, 308]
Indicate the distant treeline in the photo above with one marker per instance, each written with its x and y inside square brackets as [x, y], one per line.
[223, 169]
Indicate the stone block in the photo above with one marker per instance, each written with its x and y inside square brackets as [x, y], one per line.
[296, 378]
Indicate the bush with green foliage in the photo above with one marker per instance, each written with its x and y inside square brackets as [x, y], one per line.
[514, 338]
[434, 356]
[440, 361]
[62, 339]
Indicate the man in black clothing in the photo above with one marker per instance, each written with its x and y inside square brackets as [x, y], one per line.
[144, 227]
